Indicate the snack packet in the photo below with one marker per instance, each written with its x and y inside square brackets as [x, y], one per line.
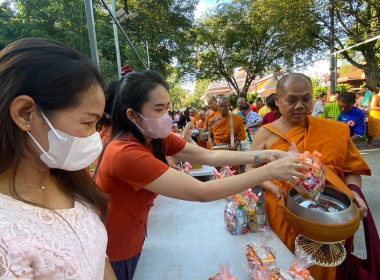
[259, 256]
[230, 217]
[313, 187]
[224, 274]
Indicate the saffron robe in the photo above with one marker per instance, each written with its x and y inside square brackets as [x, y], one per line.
[221, 133]
[221, 130]
[339, 154]
[208, 119]
[200, 126]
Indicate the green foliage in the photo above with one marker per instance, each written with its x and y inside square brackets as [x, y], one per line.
[319, 90]
[164, 24]
[355, 22]
[194, 100]
[251, 97]
[343, 88]
[258, 36]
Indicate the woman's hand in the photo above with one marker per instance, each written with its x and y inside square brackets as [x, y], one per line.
[360, 203]
[271, 155]
[285, 169]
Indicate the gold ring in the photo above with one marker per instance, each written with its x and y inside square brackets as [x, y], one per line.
[298, 165]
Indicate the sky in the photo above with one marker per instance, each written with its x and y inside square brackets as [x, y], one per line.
[313, 70]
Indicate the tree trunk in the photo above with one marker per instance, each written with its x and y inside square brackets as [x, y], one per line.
[371, 75]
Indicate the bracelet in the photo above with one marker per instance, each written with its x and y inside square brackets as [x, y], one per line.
[257, 159]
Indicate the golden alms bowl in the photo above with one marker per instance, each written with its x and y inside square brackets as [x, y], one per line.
[322, 226]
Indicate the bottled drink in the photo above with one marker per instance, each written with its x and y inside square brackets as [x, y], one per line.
[251, 216]
[260, 213]
[241, 220]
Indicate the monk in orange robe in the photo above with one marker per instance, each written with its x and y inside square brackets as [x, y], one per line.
[200, 125]
[220, 128]
[212, 113]
[343, 162]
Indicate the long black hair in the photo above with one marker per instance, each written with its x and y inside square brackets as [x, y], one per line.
[54, 75]
[134, 92]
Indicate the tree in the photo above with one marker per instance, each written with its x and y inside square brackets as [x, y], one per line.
[165, 25]
[195, 100]
[256, 36]
[355, 22]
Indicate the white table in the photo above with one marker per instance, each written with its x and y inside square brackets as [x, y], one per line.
[188, 241]
[204, 171]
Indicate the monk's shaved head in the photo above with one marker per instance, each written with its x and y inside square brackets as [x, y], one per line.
[223, 98]
[224, 106]
[212, 102]
[280, 87]
[211, 98]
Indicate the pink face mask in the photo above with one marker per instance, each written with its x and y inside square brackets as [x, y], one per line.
[158, 127]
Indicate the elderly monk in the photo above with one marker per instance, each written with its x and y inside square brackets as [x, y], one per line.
[213, 110]
[200, 125]
[343, 162]
[220, 133]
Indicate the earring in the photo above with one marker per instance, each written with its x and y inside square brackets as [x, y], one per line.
[28, 126]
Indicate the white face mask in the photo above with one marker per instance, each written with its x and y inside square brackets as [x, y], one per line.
[158, 127]
[67, 152]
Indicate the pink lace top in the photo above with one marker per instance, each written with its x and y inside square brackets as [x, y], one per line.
[36, 243]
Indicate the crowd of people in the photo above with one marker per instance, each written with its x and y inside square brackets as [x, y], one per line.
[358, 109]
[59, 222]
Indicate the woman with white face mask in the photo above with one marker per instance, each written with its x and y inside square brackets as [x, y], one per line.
[133, 168]
[51, 212]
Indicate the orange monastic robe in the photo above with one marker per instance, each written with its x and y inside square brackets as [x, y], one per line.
[208, 119]
[221, 130]
[200, 126]
[221, 133]
[332, 140]
[213, 115]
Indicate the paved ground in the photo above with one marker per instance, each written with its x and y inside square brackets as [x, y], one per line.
[371, 187]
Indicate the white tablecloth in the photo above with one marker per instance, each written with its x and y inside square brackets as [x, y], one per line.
[188, 241]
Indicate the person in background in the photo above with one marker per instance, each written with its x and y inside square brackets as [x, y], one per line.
[254, 121]
[194, 117]
[319, 106]
[366, 99]
[294, 99]
[199, 126]
[344, 111]
[184, 119]
[374, 119]
[240, 101]
[134, 170]
[274, 114]
[253, 107]
[359, 99]
[51, 211]
[177, 116]
[259, 103]
[264, 109]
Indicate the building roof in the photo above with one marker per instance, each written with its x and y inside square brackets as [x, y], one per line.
[350, 73]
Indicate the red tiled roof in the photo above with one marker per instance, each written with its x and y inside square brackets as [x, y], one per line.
[349, 73]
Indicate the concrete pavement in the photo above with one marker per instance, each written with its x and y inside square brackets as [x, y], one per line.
[371, 190]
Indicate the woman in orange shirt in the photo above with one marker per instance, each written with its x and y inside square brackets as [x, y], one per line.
[133, 169]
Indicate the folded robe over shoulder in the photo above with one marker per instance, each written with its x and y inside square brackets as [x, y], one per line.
[332, 140]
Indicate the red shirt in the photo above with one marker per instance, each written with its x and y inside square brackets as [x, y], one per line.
[269, 118]
[126, 168]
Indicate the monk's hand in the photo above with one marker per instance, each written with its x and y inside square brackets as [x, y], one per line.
[286, 169]
[360, 203]
[271, 155]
